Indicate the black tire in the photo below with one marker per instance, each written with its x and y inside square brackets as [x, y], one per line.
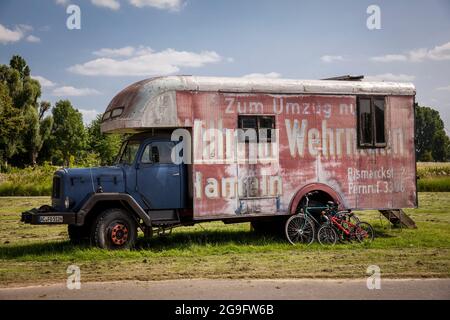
[300, 229]
[364, 232]
[78, 234]
[327, 235]
[114, 229]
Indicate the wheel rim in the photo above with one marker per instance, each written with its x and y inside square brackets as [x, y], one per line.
[327, 235]
[299, 230]
[119, 234]
[364, 232]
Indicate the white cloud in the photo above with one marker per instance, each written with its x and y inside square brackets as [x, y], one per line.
[33, 39]
[270, 75]
[45, 83]
[173, 5]
[69, 91]
[144, 62]
[20, 32]
[88, 115]
[7, 35]
[110, 4]
[62, 2]
[120, 52]
[390, 58]
[329, 59]
[438, 53]
[390, 77]
[446, 88]
[25, 28]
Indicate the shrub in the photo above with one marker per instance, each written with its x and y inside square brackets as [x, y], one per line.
[30, 181]
[434, 184]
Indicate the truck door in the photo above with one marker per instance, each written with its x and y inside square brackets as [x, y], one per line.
[158, 178]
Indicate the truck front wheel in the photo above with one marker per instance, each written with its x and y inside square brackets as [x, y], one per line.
[114, 229]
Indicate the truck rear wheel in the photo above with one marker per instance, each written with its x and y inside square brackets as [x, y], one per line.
[114, 229]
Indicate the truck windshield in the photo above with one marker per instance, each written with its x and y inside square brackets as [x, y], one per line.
[128, 151]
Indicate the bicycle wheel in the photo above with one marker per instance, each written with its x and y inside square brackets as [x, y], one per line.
[364, 232]
[300, 229]
[353, 218]
[327, 235]
[349, 217]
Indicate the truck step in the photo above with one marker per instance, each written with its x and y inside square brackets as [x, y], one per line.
[398, 217]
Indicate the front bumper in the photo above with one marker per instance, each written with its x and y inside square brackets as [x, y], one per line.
[45, 215]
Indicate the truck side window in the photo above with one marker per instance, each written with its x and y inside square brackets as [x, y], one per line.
[158, 152]
[129, 152]
[261, 126]
[370, 122]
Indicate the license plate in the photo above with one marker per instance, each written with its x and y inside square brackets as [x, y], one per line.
[51, 219]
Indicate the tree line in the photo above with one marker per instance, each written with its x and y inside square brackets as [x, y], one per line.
[32, 132]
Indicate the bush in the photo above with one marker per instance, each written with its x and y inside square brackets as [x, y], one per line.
[435, 184]
[30, 181]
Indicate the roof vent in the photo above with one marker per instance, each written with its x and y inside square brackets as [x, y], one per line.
[347, 77]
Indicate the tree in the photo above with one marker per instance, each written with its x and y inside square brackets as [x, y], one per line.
[68, 133]
[11, 123]
[19, 63]
[432, 143]
[39, 130]
[105, 145]
[24, 93]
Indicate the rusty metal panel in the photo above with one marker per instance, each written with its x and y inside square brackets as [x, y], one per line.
[151, 103]
[316, 149]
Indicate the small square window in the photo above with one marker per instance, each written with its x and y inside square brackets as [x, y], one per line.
[371, 122]
[256, 128]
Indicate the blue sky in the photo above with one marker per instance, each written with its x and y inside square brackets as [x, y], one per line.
[123, 41]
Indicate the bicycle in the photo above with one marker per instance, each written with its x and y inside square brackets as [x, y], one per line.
[301, 228]
[338, 227]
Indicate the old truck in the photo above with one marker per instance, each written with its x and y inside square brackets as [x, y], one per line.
[239, 150]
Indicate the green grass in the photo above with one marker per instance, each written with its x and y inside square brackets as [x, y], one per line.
[41, 254]
[27, 182]
[434, 184]
[433, 176]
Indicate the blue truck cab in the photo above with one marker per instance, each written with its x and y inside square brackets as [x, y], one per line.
[145, 189]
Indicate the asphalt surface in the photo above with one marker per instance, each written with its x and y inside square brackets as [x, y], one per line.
[238, 289]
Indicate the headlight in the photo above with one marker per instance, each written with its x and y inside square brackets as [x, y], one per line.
[67, 202]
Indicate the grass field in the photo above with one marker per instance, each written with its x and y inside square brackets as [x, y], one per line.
[433, 176]
[41, 254]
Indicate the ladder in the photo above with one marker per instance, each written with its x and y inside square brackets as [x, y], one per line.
[399, 218]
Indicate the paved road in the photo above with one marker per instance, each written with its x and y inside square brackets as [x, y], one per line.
[238, 289]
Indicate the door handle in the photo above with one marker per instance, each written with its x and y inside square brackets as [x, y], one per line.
[176, 174]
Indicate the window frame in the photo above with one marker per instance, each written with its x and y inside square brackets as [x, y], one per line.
[374, 143]
[124, 148]
[257, 117]
[150, 144]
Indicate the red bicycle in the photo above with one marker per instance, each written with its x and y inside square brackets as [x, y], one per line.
[337, 226]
